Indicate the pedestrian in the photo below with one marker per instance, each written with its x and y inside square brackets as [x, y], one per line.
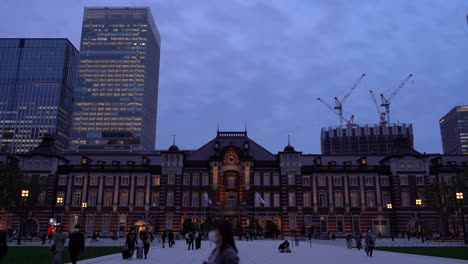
[349, 241]
[44, 238]
[191, 238]
[358, 238]
[147, 237]
[225, 251]
[370, 242]
[131, 241]
[163, 238]
[197, 240]
[76, 244]
[296, 241]
[3, 244]
[58, 246]
[170, 238]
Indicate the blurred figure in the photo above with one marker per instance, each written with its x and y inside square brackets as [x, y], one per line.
[58, 246]
[76, 244]
[225, 251]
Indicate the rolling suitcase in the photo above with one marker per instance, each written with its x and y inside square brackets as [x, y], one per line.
[125, 252]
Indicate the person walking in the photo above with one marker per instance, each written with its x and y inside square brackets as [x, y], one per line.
[163, 238]
[170, 238]
[191, 237]
[58, 246]
[296, 240]
[131, 241]
[197, 240]
[225, 251]
[76, 244]
[358, 238]
[147, 237]
[370, 242]
[3, 244]
[43, 238]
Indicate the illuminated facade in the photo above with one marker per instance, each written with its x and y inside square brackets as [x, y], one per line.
[37, 82]
[454, 130]
[117, 93]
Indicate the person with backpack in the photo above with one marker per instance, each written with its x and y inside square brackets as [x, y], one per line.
[191, 237]
[131, 241]
[370, 242]
[147, 237]
[163, 238]
[76, 244]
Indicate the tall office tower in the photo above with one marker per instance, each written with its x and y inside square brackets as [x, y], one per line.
[37, 82]
[117, 91]
[454, 130]
[366, 139]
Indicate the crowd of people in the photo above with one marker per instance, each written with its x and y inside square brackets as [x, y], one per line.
[369, 240]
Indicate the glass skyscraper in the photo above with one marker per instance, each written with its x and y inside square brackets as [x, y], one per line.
[37, 82]
[454, 130]
[117, 92]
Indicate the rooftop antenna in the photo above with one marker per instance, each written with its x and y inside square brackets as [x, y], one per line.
[173, 140]
[289, 141]
[245, 126]
[218, 127]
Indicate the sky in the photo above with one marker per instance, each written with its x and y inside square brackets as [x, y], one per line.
[264, 63]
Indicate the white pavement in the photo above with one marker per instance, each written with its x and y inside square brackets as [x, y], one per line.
[259, 252]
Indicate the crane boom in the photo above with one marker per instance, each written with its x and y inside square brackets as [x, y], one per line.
[375, 101]
[345, 97]
[349, 121]
[386, 101]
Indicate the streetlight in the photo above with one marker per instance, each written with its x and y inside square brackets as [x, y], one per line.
[389, 206]
[459, 196]
[418, 204]
[59, 200]
[84, 205]
[24, 196]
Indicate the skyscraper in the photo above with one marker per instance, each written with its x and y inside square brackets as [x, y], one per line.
[454, 130]
[117, 92]
[37, 82]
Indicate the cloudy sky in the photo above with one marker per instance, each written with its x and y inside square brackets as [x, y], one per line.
[265, 62]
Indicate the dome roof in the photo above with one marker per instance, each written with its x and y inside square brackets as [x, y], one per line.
[173, 148]
[289, 148]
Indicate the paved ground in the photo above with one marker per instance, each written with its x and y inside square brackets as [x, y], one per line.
[259, 252]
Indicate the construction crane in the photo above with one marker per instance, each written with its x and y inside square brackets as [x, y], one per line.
[382, 115]
[339, 103]
[349, 122]
[386, 101]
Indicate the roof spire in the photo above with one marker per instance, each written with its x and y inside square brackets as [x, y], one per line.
[218, 127]
[173, 140]
[245, 125]
[289, 141]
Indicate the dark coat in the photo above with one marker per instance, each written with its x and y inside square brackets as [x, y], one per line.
[227, 256]
[76, 243]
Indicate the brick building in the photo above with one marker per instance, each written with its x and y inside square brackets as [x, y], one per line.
[303, 193]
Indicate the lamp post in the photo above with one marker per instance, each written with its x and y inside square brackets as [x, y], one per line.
[460, 199]
[418, 204]
[24, 196]
[84, 205]
[389, 207]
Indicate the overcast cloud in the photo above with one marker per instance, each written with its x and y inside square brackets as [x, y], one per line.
[266, 62]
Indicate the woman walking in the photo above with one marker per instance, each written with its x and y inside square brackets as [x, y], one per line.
[58, 246]
[225, 251]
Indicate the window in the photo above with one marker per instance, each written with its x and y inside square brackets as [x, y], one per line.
[276, 200]
[384, 181]
[322, 181]
[370, 199]
[77, 180]
[231, 199]
[307, 220]
[322, 199]
[257, 179]
[186, 179]
[356, 223]
[122, 223]
[292, 222]
[41, 198]
[141, 181]
[276, 179]
[108, 198]
[156, 180]
[205, 179]
[292, 198]
[155, 199]
[355, 199]
[291, 178]
[266, 197]
[109, 180]
[306, 197]
[123, 198]
[124, 181]
[323, 224]
[419, 180]
[106, 221]
[339, 199]
[386, 199]
[62, 180]
[93, 181]
[403, 180]
[92, 198]
[140, 199]
[171, 178]
[195, 199]
[77, 199]
[231, 181]
[405, 199]
[266, 179]
[170, 199]
[353, 181]
[306, 181]
[43, 180]
[185, 199]
[339, 224]
[447, 180]
[196, 179]
[369, 181]
[337, 181]
[60, 198]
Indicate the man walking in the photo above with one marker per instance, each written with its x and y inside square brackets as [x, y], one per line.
[131, 241]
[147, 237]
[170, 238]
[190, 240]
[163, 238]
[76, 244]
[370, 242]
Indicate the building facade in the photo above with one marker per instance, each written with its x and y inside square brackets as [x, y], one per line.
[303, 193]
[364, 139]
[37, 82]
[117, 94]
[454, 130]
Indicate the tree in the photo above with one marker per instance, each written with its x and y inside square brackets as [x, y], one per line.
[442, 196]
[11, 184]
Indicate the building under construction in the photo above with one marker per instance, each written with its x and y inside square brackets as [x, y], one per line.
[373, 139]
